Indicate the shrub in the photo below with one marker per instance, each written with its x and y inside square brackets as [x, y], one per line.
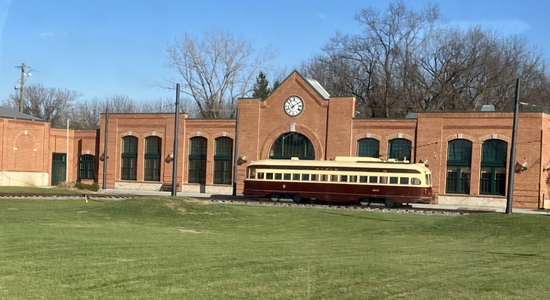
[83, 186]
[66, 185]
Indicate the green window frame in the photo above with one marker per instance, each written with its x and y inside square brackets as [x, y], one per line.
[459, 160]
[368, 147]
[223, 158]
[129, 158]
[86, 166]
[399, 149]
[292, 144]
[197, 160]
[493, 167]
[153, 147]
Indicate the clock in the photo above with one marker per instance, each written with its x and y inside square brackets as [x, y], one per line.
[293, 106]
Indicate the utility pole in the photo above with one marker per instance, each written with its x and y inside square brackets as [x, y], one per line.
[22, 67]
[510, 195]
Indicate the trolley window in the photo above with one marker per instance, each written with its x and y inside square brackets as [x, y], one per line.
[353, 178]
[324, 177]
[373, 179]
[269, 176]
[343, 178]
[296, 177]
[278, 176]
[404, 180]
[362, 178]
[394, 180]
[333, 178]
[305, 177]
[252, 174]
[383, 179]
[415, 181]
[314, 177]
[260, 175]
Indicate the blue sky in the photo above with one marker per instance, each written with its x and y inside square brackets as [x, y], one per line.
[103, 48]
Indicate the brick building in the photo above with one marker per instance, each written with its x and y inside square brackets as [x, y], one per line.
[468, 153]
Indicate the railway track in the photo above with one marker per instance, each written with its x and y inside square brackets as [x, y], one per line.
[219, 199]
[406, 209]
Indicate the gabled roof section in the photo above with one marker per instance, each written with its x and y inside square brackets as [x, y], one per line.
[316, 86]
[9, 113]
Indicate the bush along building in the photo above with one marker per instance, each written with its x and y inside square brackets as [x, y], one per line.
[468, 153]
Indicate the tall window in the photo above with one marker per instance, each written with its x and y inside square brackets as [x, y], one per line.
[129, 158]
[222, 160]
[152, 158]
[400, 149]
[493, 167]
[292, 144]
[197, 160]
[368, 148]
[459, 160]
[86, 166]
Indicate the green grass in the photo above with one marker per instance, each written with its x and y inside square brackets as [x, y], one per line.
[172, 248]
[38, 190]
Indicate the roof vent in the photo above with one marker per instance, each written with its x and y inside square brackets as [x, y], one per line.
[487, 107]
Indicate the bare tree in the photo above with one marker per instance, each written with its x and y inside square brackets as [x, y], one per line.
[216, 70]
[406, 60]
[86, 114]
[467, 69]
[50, 104]
[374, 66]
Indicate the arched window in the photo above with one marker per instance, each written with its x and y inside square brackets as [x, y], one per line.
[197, 160]
[222, 160]
[459, 160]
[129, 158]
[400, 149]
[86, 166]
[368, 148]
[292, 144]
[152, 158]
[493, 167]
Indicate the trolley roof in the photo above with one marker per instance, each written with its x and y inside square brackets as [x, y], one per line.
[343, 162]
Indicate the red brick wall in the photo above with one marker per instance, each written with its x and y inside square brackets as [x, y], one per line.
[435, 130]
[140, 126]
[24, 146]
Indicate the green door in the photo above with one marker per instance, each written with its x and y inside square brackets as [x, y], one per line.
[59, 168]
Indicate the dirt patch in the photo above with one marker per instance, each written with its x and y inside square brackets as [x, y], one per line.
[183, 230]
[197, 201]
[175, 206]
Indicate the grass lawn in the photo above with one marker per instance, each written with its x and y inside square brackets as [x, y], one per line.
[174, 248]
[38, 190]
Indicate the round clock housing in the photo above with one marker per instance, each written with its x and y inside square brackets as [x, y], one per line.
[294, 106]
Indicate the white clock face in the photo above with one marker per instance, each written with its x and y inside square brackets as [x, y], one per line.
[294, 106]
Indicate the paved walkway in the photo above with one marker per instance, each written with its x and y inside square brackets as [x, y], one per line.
[439, 206]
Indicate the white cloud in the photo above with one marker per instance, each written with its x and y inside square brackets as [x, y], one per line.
[46, 34]
[320, 15]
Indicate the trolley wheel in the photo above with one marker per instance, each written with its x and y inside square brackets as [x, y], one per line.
[364, 201]
[275, 197]
[390, 203]
[297, 199]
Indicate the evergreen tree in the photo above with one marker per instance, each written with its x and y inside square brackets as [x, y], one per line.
[261, 87]
[275, 85]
